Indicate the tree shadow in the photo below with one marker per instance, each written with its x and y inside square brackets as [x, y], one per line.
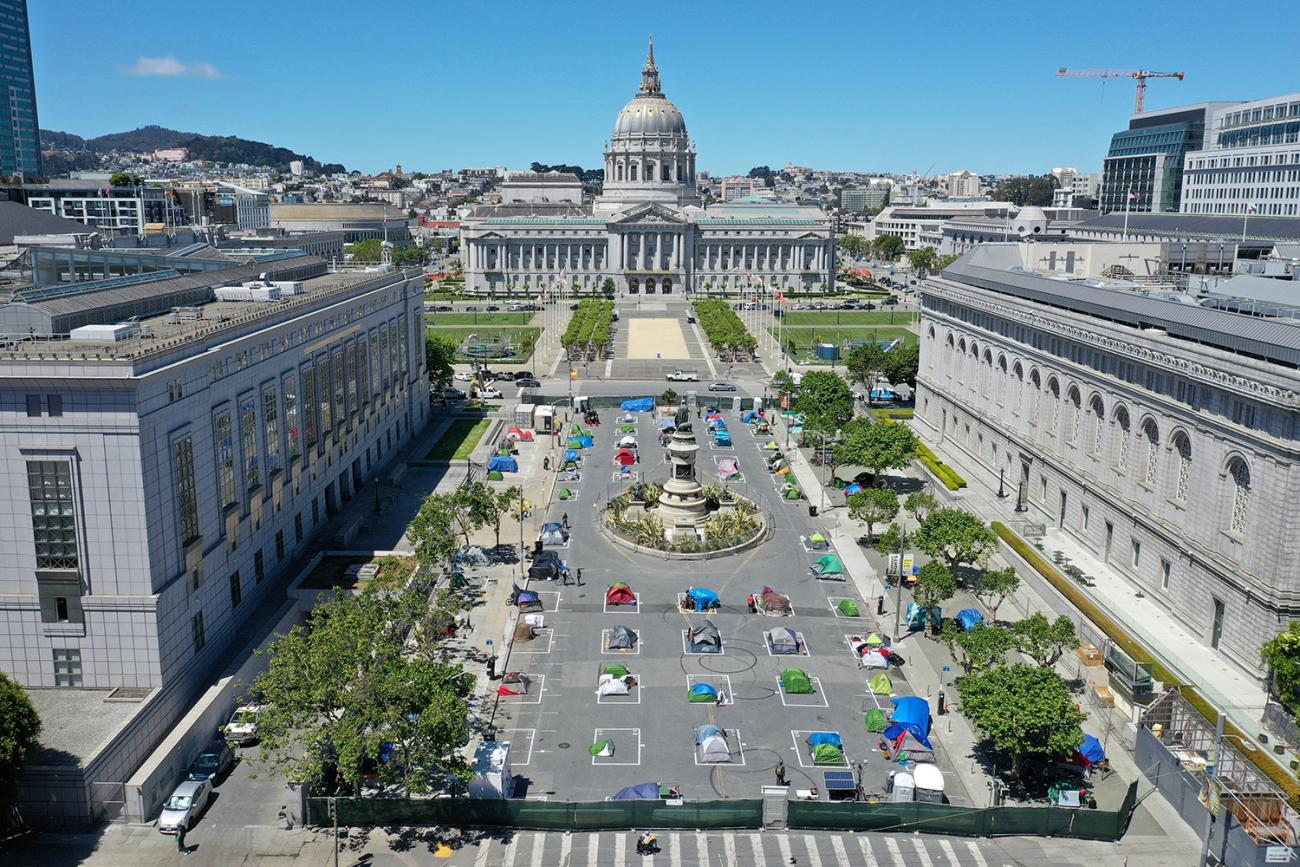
[429, 838]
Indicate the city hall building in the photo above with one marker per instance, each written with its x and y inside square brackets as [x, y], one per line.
[648, 230]
[1160, 436]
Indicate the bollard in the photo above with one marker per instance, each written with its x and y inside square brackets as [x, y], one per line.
[880, 604]
[940, 704]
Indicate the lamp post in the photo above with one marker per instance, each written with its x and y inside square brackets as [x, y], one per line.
[1001, 490]
[1020, 496]
[898, 591]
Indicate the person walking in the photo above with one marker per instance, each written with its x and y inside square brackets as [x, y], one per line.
[180, 839]
[780, 773]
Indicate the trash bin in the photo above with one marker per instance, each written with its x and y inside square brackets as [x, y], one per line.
[812, 511]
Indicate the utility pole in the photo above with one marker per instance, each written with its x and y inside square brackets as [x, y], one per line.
[898, 591]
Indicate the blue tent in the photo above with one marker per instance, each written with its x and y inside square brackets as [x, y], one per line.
[1091, 749]
[913, 713]
[852, 488]
[586, 441]
[705, 731]
[666, 424]
[570, 454]
[897, 730]
[641, 791]
[638, 404]
[702, 598]
[723, 438]
[816, 739]
[969, 618]
[749, 417]
[504, 464]
[527, 596]
[702, 692]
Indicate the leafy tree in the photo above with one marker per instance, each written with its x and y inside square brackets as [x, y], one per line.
[783, 383]
[475, 507]
[957, 537]
[902, 363]
[934, 584]
[944, 261]
[1027, 190]
[892, 540]
[878, 446]
[922, 259]
[119, 179]
[1045, 641]
[825, 400]
[668, 398]
[20, 728]
[994, 586]
[977, 649]
[431, 531]
[1282, 655]
[852, 244]
[339, 688]
[919, 503]
[1023, 711]
[871, 506]
[864, 362]
[888, 247]
[608, 288]
[439, 355]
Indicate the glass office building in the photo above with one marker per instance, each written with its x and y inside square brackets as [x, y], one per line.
[20, 147]
[1146, 160]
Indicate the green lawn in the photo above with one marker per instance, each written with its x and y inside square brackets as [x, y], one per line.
[488, 336]
[847, 317]
[440, 319]
[459, 440]
[806, 336]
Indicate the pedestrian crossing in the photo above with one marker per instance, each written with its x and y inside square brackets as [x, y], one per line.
[728, 849]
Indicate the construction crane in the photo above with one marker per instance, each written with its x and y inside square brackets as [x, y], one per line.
[1139, 103]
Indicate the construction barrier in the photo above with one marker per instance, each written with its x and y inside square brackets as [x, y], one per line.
[536, 815]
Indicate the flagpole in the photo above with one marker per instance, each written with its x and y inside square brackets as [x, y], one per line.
[1244, 221]
[1128, 203]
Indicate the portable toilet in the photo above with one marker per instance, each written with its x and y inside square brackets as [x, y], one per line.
[582, 404]
[544, 419]
[492, 776]
[929, 783]
[828, 351]
[904, 790]
[523, 417]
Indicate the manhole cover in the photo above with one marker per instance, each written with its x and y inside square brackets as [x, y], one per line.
[564, 745]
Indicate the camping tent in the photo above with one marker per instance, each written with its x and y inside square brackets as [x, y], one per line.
[711, 745]
[913, 713]
[818, 542]
[704, 638]
[783, 641]
[829, 566]
[727, 467]
[615, 669]
[603, 748]
[905, 745]
[520, 434]
[852, 488]
[565, 494]
[701, 599]
[722, 438]
[546, 568]
[610, 685]
[876, 720]
[638, 404]
[702, 692]
[873, 659]
[620, 594]
[627, 442]
[627, 428]
[827, 748]
[572, 455]
[529, 601]
[795, 681]
[553, 533]
[624, 458]
[514, 683]
[621, 638]
[969, 618]
[472, 555]
[849, 608]
[774, 604]
[880, 684]
[1091, 751]
[639, 792]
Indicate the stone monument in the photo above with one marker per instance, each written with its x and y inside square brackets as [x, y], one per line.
[682, 506]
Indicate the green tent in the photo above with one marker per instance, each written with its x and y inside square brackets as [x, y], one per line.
[793, 494]
[495, 476]
[796, 682]
[771, 446]
[566, 494]
[615, 669]
[829, 564]
[574, 442]
[875, 640]
[827, 754]
[876, 720]
[849, 608]
[602, 748]
[818, 538]
[576, 430]
[880, 684]
[627, 428]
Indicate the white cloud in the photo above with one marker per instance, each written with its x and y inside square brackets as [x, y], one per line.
[169, 67]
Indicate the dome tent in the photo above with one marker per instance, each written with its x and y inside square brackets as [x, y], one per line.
[849, 608]
[614, 669]
[827, 748]
[829, 566]
[620, 594]
[621, 638]
[702, 693]
[880, 684]
[795, 681]
[553, 533]
[705, 638]
[783, 641]
[602, 748]
[711, 745]
[639, 792]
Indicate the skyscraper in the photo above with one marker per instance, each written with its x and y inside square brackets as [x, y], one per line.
[20, 147]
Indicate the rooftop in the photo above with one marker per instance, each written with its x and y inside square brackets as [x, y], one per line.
[75, 723]
[18, 219]
[1201, 226]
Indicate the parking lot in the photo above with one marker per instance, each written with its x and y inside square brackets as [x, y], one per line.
[653, 728]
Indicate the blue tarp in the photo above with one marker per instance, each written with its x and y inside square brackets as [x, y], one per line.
[912, 712]
[749, 417]
[706, 731]
[816, 739]
[702, 598]
[852, 488]
[641, 791]
[723, 438]
[504, 464]
[1091, 749]
[704, 689]
[526, 596]
[570, 454]
[897, 730]
[969, 618]
[639, 404]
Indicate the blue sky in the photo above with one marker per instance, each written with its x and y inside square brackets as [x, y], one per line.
[935, 86]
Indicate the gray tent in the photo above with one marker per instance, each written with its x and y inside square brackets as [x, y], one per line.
[554, 534]
[621, 638]
[711, 745]
[783, 640]
[705, 638]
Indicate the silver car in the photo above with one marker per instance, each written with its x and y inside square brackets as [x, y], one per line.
[182, 809]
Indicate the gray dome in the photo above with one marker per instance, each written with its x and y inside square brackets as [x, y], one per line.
[650, 115]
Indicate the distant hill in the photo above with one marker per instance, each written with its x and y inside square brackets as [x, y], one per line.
[224, 149]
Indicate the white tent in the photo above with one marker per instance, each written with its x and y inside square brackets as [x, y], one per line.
[627, 442]
[712, 746]
[610, 685]
[874, 659]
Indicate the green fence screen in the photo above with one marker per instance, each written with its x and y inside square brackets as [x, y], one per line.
[537, 815]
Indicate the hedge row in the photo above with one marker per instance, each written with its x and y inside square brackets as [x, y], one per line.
[1116, 633]
[946, 474]
[893, 413]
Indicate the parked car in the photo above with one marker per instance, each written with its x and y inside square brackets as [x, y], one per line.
[451, 393]
[471, 309]
[682, 376]
[213, 762]
[527, 382]
[444, 308]
[722, 386]
[462, 376]
[492, 308]
[503, 375]
[868, 306]
[182, 809]
[489, 392]
[242, 728]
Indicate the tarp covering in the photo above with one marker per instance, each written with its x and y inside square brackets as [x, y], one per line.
[638, 404]
[796, 681]
[627, 442]
[641, 791]
[582, 442]
[783, 640]
[876, 720]
[524, 632]
[624, 458]
[702, 692]
[774, 603]
[969, 618]
[666, 424]
[907, 745]
[727, 467]
[610, 685]
[620, 594]
[849, 608]
[852, 488]
[520, 434]
[616, 669]
[603, 747]
[912, 712]
[874, 659]
[829, 564]
[622, 638]
[705, 638]
[880, 684]
[827, 754]
[554, 534]
[571, 454]
[1091, 750]
[473, 555]
[818, 738]
[701, 598]
[722, 439]
[529, 601]
[503, 464]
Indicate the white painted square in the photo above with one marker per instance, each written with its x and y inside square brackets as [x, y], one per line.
[817, 699]
[633, 696]
[686, 646]
[681, 598]
[550, 600]
[634, 476]
[803, 646]
[542, 643]
[623, 609]
[604, 644]
[621, 738]
[807, 546]
[804, 752]
[535, 689]
[721, 681]
[574, 492]
[733, 742]
[521, 744]
[835, 601]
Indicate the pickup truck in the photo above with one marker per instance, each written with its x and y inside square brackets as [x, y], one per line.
[683, 376]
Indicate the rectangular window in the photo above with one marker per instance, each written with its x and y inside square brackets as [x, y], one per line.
[187, 505]
[353, 365]
[175, 390]
[54, 403]
[374, 363]
[248, 437]
[61, 609]
[271, 426]
[33, 406]
[196, 631]
[67, 666]
[340, 390]
[279, 544]
[259, 565]
[54, 522]
[311, 420]
[291, 413]
[402, 353]
[1137, 553]
[363, 369]
[1165, 568]
[385, 362]
[323, 384]
[236, 591]
[297, 527]
[225, 439]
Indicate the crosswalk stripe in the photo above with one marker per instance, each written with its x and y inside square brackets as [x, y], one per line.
[729, 849]
[756, 847]
[814, 856]
[620, 849]
[922, 855]
[484, 849]
[841, 856]
[894, 852]
[868, 856]
[976, 855]
[948, 850]
[783, 844]
[593, 850]
[539, 843]
[701, 848]
[508, 857]
[566, 849]
[675, 848]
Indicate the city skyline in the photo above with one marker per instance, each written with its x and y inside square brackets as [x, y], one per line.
[746, 86]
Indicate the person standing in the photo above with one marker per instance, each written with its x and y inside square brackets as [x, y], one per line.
[780, 773]
[180, 838]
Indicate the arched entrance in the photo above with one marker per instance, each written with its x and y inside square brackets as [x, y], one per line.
[633, 286]
[650, 286]
[666, 286]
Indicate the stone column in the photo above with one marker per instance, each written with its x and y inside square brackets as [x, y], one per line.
[640, 256]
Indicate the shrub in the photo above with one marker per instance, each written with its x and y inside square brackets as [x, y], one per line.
[946, 474]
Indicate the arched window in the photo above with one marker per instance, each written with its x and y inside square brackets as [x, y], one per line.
[1036, 390]
[1122, 432]
[947, 358]
[1054, 394]
[631, 172]
[1152, 437]
[619, 172]
[1001, 386]
[1240, 475]
[1099, 425]
[1019, 386]
[1076, 410]
[987, 372]
[1183, 446]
